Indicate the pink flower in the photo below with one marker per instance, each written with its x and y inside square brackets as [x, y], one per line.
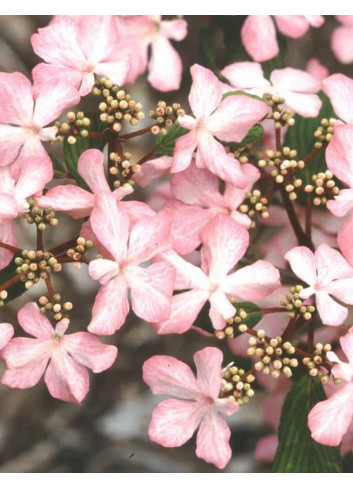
[199, 201]
[228, 120]
[174, 421]
[63, 358]
[224, 244]
[258, 33]
[23, 116]
[328, 274]
[139, 32]
[78, 202]
[342, 39]
[75, 51]
[16, 185]
[297, 87]
[329, 420]
[6, 333]
[317, 69]
[151, 288]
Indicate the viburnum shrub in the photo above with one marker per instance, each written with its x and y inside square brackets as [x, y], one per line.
[255, 147]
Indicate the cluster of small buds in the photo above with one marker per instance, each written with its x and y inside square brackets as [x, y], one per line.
[286, 168]
[314, 363]
[41, 217]
[77, 125]
[3, 297]
[324, 132]
[77, 254]
[34, 265]
[254, 204]
[237, 384]
[324, 187]
[118, 106]
[53, 304]
[235, 325]
[122, 169]
[165, 116]
[242, 153]
[294, 304]
[282, 117]
[273, 354]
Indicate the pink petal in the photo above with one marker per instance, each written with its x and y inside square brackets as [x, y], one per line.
[225, 243]
[165, 66]
[246, 75]
[347, 345]
[111, 225]
[151, 291]
[103, 270]
[168, 376]
[332, 263]
[184, 149]
[342, 204]
[266, 449]
[116, 71]
[190, 185]
[66, 379]
[26, 361]
[8, 236]
[110, 307]
[345, 240]
[6, 333]
[153, 169]
[302, 262]
[14, 87]
[213, 440]
[258, 36]
[48, 75]
[187, 275]
[90, 167]
[211, 154]
[12, 138]
[174, 29]
[329, 420]
[221, 309]
[34, 322]
[174, 422]
[185, 308]
[209, 371]
[34, 174]
[68, 198]
[235, 116]
[292, 25]
[52, 101]
[89, 351]
[206, 91]
[339, 153]
[331, 313]
[342, 44]
[339, 89]
[148, 238]
[9, 209]
[253, 282]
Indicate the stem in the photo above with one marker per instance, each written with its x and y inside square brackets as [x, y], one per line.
[10, 247]
[270, 310]
[308, 216]
[131, 135]
[302, 238]
[98, 135]
[278, 139]
[291, 328]
[39, 239]
[49, 287]
[71, 243]
[10, 282]
[147, 157]
[311, 155]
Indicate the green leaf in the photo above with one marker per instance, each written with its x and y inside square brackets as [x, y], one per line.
[253, 311]
[165, 144]
[297, 451]
[59, 169]
[241, 92]
[72, 152]
[301, 137]
[8, 273]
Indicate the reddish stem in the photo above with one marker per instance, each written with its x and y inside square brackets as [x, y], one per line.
[10, 247]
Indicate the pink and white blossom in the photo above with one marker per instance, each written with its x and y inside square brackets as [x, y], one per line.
[151, 288]
[297, 87]
[224, 244]
[342, 39]
[198, 405]
[228, 120]
[25, 115]
[64, 358]
[330, 420]
[327, 274]
[75, 50]
[258, 33]
[6, 333]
